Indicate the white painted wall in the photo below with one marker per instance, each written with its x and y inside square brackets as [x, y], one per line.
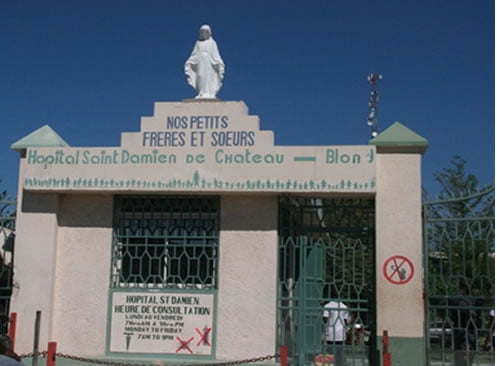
[246, 325]
[62, 263]
[82, 274]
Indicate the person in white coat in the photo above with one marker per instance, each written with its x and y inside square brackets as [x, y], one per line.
[335, 315]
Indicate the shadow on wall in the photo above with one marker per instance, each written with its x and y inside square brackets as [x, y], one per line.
[238, 213]
[249, 213]
[73, 210]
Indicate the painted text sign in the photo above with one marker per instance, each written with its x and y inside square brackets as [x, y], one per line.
[198, 131]
[198, 147]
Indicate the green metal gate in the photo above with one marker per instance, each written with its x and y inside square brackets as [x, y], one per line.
[459, 256]
[326, 263]
[7, 236]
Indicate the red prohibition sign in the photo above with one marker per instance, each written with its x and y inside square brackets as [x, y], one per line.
[398, 269]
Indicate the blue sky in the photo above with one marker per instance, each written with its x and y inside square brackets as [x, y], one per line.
[90, 69]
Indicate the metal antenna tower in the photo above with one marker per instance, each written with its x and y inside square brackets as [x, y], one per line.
[373, 102]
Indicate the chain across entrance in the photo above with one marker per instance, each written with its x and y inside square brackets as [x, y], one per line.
[95, 361]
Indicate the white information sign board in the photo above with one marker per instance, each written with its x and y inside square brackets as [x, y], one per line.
[166, 323]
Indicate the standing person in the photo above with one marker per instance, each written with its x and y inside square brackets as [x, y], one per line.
[489, 344]
[335, 316]
[205, 67]
[464, 327]
[7, 356]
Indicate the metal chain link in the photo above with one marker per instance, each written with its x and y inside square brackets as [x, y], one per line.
[250, 360]
[98, 362]
[116, 363]
[31, 354]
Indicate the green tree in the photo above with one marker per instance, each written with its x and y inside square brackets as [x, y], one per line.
[3, 194]
[7, 212]
[455, 179]
[455, 182]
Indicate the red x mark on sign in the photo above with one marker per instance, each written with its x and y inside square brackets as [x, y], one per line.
[203, 336]
[184, 344]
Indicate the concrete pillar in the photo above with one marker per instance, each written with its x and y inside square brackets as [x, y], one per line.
[35, 248]
[37, 231]
[399, 243]
[246, 325]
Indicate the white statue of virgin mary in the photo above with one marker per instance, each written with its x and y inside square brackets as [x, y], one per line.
[205, 67]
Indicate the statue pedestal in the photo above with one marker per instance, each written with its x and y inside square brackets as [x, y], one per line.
[193, 100]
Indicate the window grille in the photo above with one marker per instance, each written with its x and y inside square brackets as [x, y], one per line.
[165, 242]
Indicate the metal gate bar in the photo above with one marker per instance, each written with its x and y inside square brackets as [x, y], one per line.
[459, 259]
[326, 262]
[7, 238]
